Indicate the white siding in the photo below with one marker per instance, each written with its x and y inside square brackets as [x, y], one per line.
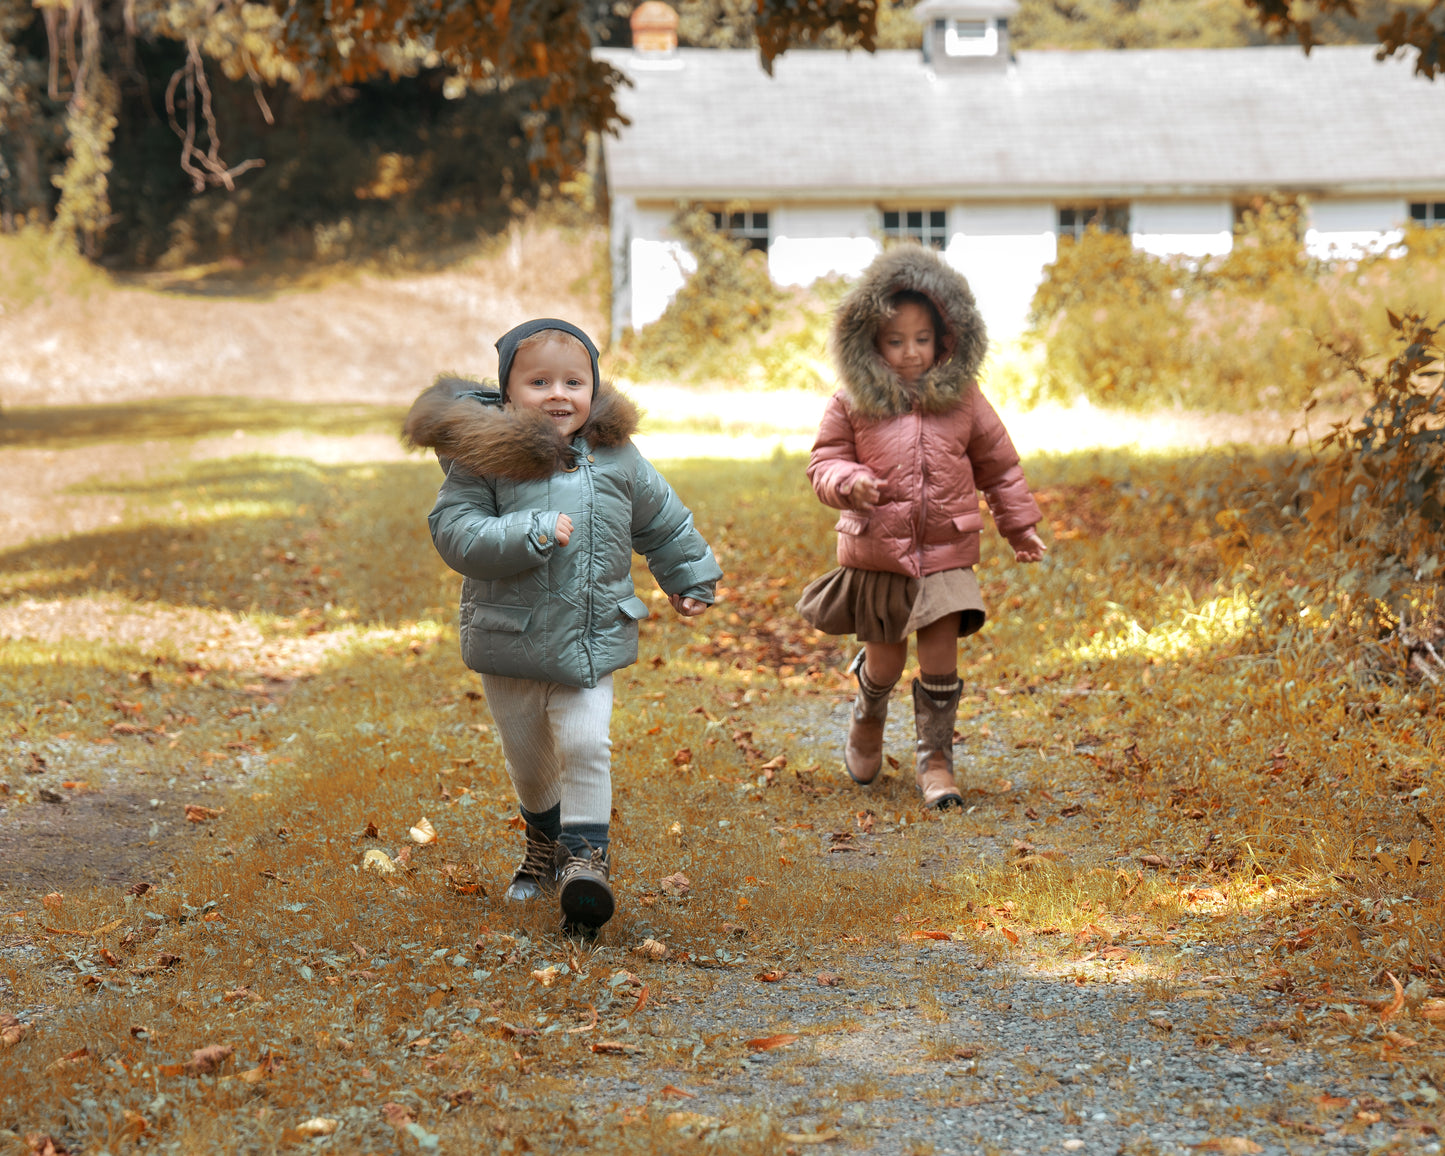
[659, 264]
[1182, 228]
[1349, 228]
[1002, 249]
[812, 241]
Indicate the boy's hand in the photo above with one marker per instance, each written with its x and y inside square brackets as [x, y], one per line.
[563, 532]
[1032, 549]
[687, 607]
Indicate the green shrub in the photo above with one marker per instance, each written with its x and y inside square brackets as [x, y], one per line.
[730, 323]
[1257, 328]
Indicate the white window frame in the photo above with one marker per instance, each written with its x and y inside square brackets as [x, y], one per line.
[1073, 220]
[930, 230]
[751, 225]
[1427, 214]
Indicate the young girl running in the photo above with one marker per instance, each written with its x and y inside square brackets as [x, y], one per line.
[903, 450]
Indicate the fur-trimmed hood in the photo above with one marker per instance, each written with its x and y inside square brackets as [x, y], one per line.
[875, 390]
[466, 422]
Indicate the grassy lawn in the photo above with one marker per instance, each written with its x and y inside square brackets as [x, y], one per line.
[1154, 751]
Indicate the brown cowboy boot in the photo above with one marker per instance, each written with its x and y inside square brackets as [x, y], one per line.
[536, 875]
[863, 756]
[934, 723]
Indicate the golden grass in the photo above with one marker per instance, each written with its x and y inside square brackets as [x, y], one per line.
[1162, 794]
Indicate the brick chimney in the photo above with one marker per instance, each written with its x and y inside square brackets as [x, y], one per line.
[654, 30]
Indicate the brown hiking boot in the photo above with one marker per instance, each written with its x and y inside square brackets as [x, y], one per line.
[537, 874]
[934, 723]
[583, 892]
[863, 756]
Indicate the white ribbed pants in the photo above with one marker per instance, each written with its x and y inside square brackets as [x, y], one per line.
[557, 746]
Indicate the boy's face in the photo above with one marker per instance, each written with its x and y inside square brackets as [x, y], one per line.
[555, 377]
[906, 341]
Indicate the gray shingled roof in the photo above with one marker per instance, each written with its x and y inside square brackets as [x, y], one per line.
[1128, 124]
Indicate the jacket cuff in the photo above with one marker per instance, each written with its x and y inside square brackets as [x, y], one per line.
[542, 537]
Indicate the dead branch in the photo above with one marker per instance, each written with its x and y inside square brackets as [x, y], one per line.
[204, 168]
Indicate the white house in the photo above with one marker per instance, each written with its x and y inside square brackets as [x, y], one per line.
[991, 156]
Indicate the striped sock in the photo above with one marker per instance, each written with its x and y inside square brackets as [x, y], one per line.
[939, 687]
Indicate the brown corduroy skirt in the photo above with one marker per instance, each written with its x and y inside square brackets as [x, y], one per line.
[878, 606]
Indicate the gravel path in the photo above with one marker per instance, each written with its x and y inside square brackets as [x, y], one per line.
[929, 1047]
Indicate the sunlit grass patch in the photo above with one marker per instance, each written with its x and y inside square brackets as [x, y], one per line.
[1213, 627]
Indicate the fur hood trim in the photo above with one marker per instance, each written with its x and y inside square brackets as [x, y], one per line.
[466, 422]
[875, 390]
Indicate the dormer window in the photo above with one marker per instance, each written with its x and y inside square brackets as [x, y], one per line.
[965, 34]
[969, 37]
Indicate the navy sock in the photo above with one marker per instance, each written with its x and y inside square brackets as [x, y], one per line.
[549, 822]
[581, 839]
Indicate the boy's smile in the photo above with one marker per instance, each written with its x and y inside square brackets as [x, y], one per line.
[556, 378]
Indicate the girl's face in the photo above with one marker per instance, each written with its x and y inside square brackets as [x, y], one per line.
[555, 377]
[907, 342]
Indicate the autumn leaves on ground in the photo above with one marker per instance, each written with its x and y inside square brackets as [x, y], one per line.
[1223, 739]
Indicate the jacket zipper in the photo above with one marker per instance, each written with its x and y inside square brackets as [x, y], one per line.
[584, 460]
[923, 491]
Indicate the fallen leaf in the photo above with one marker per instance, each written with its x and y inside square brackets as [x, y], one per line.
[690, 1121]
[772, 975]
[651, 949]
[828, 979]
[53, 902]
[135, 1123]
[1432, 1010]
[1395, 1039]
[1157, 863]
[768, 1043]
[682, 757]
[513, 1032]
[1392, 1009]
[677, 885]
[822, 1137]
[1232, 1145]
[378, 861]
[942, 935]
[461, 1096]
[138, 889]
[547, 976]
[370, 831]
[195, 813]
[1010, 935]
[208, 1059]
[397, 1115]
[612, 1048]
[423, 833]
[317, 1126]
[41, 1144]
[674, 1090]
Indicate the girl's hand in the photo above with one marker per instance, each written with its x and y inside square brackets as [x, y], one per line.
[563, 532]
[865, 492]
[687, 607]
[1032, 548]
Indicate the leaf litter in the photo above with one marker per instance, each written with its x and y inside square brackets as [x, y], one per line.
[1009, 969]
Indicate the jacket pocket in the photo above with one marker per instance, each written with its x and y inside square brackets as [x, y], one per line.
[852, 522]
[493, 616]
[964, 523]
[634, 608]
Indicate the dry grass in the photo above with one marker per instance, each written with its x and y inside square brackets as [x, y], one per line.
[281, 625]
[69, 335]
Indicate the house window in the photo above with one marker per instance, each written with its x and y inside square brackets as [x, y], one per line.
[1428, 214]
[748, 225]
[1074, 220]
[926, 226]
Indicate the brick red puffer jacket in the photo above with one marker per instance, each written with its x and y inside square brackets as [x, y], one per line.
[933, 446]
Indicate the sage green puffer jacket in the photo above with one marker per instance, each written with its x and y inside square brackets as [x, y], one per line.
[532, 609]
